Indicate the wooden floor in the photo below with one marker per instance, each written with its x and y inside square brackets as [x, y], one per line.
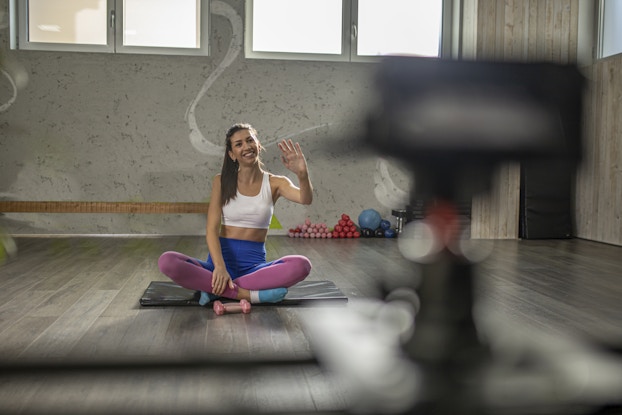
[68, 300]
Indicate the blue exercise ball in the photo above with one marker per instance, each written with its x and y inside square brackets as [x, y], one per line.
[385, 224]
[370, 219]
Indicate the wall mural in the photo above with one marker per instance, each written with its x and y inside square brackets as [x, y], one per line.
[10, 69]
[5, 106]
[12, 72]
[198, 140]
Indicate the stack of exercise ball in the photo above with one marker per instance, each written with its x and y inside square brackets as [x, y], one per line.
[372, 225]
[346, 228]
[312, 230]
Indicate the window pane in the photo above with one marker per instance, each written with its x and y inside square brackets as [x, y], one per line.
[612, 28]
[67, 21]
[162, 23]
[297, 26]
[399, 27]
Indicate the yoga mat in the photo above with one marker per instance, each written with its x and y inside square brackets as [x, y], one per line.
[168, 293]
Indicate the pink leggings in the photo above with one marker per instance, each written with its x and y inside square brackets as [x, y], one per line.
[194, 274]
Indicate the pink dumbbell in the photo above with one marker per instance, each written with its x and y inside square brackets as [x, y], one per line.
[244, 306]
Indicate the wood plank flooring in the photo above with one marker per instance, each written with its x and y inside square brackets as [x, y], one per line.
[75, 299]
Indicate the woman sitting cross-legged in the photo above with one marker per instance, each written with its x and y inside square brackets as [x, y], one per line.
[238, 218]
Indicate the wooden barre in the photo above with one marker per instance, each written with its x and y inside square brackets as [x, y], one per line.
[102, 207]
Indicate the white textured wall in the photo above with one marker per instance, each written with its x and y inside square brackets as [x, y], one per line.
[100, 127]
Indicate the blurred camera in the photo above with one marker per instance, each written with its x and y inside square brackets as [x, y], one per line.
[431, 110]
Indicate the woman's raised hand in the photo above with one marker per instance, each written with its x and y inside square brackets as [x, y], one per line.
[293, 158]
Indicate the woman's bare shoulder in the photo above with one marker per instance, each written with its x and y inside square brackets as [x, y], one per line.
[278, 178]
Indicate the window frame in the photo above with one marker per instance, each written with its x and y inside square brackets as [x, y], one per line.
[600, 33]
[587, 37]
[348, 38]
[249, 53]
[114, 34]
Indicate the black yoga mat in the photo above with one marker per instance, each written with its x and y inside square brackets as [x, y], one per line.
[167, 293]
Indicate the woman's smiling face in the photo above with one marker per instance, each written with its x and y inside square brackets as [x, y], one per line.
[244, 147]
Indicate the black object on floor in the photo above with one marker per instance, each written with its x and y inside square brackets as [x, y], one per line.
[546, 199]
[167, 293]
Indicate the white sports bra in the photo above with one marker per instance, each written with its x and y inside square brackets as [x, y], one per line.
[250, 211]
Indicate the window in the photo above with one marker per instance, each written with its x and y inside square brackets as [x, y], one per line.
[177, 27]
[610, 28]
[398, 27]
[275, 30]
[347, 30]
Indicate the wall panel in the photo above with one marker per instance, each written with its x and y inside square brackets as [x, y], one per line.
[518, 30]
[599, 182]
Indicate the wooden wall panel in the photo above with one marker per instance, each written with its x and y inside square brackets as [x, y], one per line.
[518, 30]
[495, 215]
[599, 182]
[102, 207]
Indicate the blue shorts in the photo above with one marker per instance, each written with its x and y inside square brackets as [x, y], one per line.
[241, 257]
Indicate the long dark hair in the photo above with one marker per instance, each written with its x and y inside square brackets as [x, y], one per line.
[229, 173]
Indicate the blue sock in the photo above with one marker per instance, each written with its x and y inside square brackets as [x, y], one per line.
[206, 298]
[270, 296]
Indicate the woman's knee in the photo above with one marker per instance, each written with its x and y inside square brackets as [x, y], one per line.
[167, 263]
[302, 264]
[307, 265]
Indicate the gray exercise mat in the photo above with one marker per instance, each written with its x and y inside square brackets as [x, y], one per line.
[168, 293]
